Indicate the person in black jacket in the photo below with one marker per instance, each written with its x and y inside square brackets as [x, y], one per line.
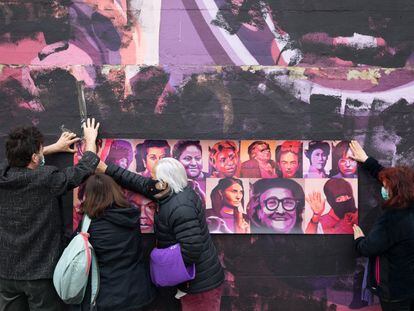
[31, 230]
[390, 243]
[115, 235]
[180, 219]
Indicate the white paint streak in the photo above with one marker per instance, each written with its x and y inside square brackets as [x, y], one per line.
[234, 45]
[148, 15]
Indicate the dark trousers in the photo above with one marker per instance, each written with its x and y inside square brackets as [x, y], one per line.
[397, 305]
[34, 295]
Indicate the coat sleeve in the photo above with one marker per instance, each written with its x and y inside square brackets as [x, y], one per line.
[377, 241]
[373, 167]
[187, 229]
[132, 181]
[61, 181]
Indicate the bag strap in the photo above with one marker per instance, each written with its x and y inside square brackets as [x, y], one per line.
[95, 280]
[86, 221]
[94, 265]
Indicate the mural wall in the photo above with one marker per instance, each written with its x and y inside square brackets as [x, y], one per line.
[249, 186]
[227, 70]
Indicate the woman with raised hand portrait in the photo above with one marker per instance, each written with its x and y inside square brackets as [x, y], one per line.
[276, 206]
[189, 153]
[149, 153]
[226, 214]
[120, 153]
[343, 166]
[343, 213]
[317, 154]
[260, 164]
[289, 159]
[224, 159]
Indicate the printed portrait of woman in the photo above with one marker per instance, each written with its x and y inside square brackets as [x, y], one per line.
[342, 165]
[317, 153]
[147, 208]
[120, 153]
[260, 164]
[190, 154]
[224, 159]
[343, 212]
[289, 159]
[227, 202]
[276, 206]
[149, 153]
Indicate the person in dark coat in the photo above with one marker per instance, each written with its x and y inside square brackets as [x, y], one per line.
[115, 235]
[390, 243]
[180, 219]
[31, 230]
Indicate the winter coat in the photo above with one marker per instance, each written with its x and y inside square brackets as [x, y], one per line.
[180, 219]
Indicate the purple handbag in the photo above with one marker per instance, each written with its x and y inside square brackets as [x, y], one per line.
[167, 267]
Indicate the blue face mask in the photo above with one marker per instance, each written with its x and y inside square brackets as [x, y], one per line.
[384, 193]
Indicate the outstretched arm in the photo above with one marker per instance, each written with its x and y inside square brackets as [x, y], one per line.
[368, 163]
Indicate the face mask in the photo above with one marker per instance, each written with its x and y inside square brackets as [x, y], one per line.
[384, 193]
[42, 161]
[341, 208]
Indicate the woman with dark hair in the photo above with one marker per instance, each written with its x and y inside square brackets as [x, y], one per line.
[226, 214]
[149, 153]
[276, 206]
[343, 165]
[120, 153]
[224, 159]
[390, 243]
[317, 153]
[289, 159]
[116, 238]
[189, 153]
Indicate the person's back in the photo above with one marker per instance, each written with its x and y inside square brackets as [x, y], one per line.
[116, 238]
[397, 261]
[31, 231]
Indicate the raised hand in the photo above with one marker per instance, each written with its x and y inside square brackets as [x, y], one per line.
[358, 154]
[66, 140]
[316, 203]
[90, 132]
[63, 144]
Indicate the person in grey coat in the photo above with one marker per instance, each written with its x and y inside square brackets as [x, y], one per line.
[31, 231]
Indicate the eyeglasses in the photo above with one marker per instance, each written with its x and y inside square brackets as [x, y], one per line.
[272, 203]
[264, 150]
[348, 162]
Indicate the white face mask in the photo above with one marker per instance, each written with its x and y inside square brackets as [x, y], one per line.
[41, 159]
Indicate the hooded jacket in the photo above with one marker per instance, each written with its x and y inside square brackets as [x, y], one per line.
[125, 283]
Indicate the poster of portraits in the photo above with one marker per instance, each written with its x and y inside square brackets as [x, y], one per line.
[249, 186]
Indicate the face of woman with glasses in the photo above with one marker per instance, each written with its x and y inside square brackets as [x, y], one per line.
[278, 209]
[346, 165]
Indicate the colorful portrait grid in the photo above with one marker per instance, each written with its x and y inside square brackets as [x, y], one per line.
[250, 186]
